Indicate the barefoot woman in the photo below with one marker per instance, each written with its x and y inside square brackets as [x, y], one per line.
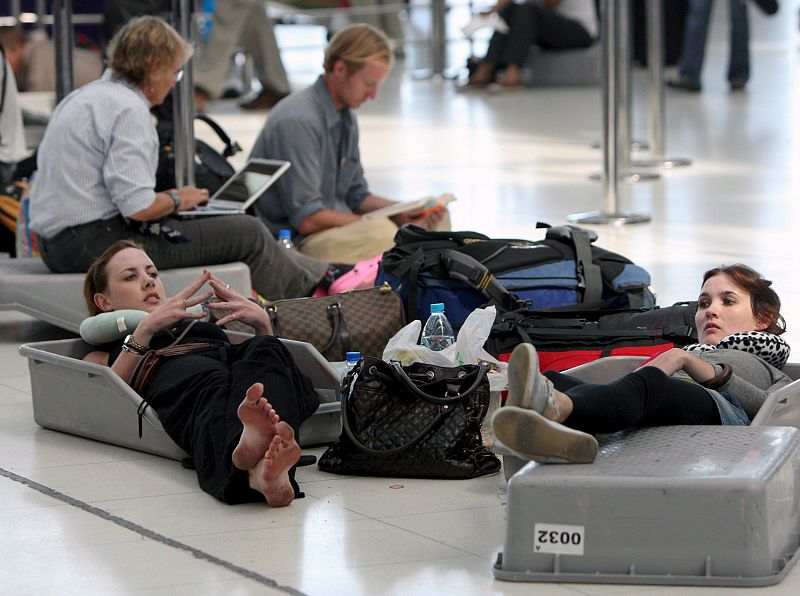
[212, 403]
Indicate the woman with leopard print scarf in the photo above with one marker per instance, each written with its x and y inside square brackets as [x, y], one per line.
[724, 379]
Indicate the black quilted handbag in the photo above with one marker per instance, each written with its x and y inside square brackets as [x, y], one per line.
[419, 421]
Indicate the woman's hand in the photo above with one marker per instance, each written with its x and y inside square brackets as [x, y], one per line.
[239, 308]
[673, 360]
[173, 311]
[192, 197]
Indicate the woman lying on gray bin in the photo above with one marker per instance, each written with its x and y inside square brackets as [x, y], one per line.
[549, 24]
[97, 172]
[724, 379]
[235, 409]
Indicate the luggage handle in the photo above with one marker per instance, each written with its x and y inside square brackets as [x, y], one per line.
[339, 329]
[231, 147]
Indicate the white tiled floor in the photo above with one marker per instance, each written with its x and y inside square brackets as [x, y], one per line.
[106, 520]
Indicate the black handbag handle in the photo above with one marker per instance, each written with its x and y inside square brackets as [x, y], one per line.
[339, 327]
[402, 377]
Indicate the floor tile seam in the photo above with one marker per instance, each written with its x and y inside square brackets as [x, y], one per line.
[429, 539]
[150, 534]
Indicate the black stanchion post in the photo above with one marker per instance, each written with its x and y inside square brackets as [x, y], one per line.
[183, 104]
[64, 41]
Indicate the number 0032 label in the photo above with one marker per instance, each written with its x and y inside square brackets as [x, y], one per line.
[558, 539]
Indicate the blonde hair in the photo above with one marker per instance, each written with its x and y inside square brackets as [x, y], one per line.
[142, 44]
[355, 45]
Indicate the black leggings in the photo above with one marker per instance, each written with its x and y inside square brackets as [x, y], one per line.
[529, 25]
[646, 397]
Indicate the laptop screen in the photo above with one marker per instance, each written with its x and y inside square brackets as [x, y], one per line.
[250, 181]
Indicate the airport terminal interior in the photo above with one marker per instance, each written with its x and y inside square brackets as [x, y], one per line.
[83, 517]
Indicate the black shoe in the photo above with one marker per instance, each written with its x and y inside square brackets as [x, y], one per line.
[263, 101]
[768, 7]
[738, 84]
[684, 85]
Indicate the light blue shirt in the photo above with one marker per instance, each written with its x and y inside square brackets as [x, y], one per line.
[98, 158]
[306, 130]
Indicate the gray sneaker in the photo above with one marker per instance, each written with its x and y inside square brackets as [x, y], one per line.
[531, 436]
[527, 387]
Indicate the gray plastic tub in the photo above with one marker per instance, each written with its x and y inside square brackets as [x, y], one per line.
[682, 505]
[90, 400]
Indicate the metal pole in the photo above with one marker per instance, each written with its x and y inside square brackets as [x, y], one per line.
[612, 116]
[655, 89]
[183, 102]
[64, 41]
[438, 45]
[628, 168]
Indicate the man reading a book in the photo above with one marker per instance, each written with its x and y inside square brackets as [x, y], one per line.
[324, 196]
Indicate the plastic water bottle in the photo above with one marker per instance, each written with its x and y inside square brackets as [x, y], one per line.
[350, 359]
[437, 333]
[285, 239]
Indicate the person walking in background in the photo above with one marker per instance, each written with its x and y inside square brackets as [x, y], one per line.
[241, 23]
[690, 64]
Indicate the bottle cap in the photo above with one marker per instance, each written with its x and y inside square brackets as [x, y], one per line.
[284, 234]
[437, 307]
[352, 356]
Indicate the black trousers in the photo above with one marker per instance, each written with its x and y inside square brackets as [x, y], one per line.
[646, 397]
[197, 395]
[533, 25]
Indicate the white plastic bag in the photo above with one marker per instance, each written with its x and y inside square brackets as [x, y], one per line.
[468, 348]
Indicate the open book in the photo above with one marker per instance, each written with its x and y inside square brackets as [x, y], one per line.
[423, 205]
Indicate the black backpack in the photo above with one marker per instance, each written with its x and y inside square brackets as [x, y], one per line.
[464, 270]
[211, 169]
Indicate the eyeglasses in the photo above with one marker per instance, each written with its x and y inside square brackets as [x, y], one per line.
[179, 76]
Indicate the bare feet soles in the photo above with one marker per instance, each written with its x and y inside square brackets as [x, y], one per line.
[271, 475]
[259, 420]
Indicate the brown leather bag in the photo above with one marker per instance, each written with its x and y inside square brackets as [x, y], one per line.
[147, 367]
[358, 320]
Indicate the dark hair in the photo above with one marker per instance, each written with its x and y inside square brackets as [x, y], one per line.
[765, 302]
[96, 279]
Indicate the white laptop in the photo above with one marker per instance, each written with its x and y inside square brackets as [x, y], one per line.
[242, 189]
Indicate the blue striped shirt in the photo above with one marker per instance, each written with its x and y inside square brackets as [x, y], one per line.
[98, 158]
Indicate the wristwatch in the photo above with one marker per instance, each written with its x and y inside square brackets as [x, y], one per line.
[134, 347]
[176, 198]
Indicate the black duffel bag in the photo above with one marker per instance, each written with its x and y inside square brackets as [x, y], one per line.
[570, 338]
[418, 421]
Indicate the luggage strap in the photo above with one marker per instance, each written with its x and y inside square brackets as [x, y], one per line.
[464, 268]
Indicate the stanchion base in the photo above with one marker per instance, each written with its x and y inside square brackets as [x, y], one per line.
[630, 176]
[663, 162]
[635, 145]
[428, 74]
[600, 218]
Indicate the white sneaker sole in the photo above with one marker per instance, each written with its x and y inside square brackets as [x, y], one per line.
[531, 436]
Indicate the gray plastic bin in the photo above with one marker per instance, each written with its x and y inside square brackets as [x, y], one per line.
[689, 505]
[28, 286]
[90, 400]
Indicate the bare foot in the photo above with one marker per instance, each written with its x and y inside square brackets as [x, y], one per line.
[259, 420]
[270, 476]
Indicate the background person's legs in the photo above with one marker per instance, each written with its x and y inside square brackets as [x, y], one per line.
[739, 61]
[690, 64]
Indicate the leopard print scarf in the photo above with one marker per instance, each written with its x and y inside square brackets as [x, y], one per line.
[773, 349]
